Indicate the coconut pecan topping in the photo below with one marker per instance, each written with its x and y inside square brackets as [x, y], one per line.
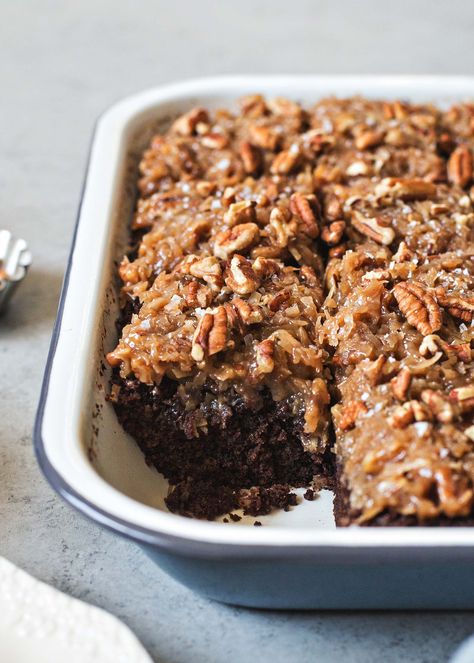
[308, 263]
[418, 306]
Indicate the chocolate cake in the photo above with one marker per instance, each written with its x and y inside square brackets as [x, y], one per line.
[301, 300]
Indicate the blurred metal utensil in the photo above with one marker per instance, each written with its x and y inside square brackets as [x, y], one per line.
[15, 258]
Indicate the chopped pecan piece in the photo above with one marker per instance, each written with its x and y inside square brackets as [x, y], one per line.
[240, 276]
[278, 300]
[460, 166]
[309, 276]
[241, 212]
[373, 228]
[332, 234]
[406, 414]
[452, 502]
[263, 137]
[265, 267]
[333, 208]
[186, 124]
[464, 397]
[430, 345]
[285, 161]
[350, 413]
[264, 356]
[369, 138]
[459, 307]
[235, 239]
[337, 251]
[215, 141]
[401, 383]
[197, 294]
[418, 306]
[251, 157]
[405, 189]
[283, 231]
[306, 208]
[247, 313]
[403, 254]
[253, 105]
[441, 408]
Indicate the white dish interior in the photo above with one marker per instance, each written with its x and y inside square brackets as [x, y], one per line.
[81, 435]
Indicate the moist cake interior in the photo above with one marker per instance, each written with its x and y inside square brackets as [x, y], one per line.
[297, 310]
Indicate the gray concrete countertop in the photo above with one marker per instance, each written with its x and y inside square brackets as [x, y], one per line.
[61, 64]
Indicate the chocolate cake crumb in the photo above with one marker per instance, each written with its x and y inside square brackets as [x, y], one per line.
[257, 523]
[234, 517]
[309, 495]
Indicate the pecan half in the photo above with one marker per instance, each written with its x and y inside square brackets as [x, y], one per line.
[240, 276]
[332, 234]
[264, 356]
[371, 227]
[235, 239]
[211, 334]
[186, 124]
[418, 306]
[306, 208]
[460, 166]
[201, 337]
[251, 157]
[350, 413]
[459, 307]
[401, 383]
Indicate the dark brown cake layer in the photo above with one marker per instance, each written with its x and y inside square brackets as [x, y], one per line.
[240, 449]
